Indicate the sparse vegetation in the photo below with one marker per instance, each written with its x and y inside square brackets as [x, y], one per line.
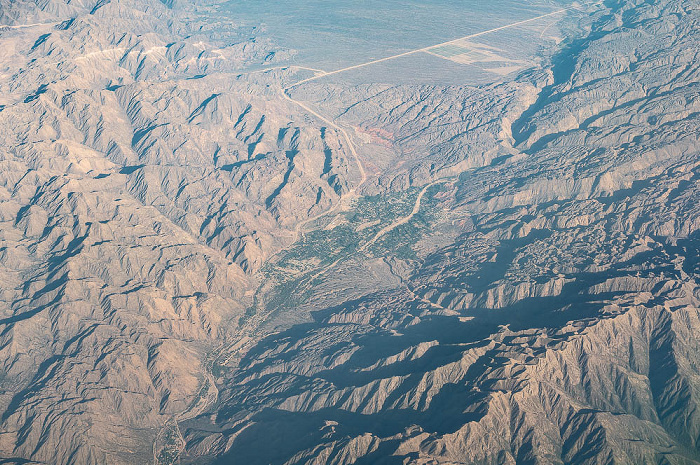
[301, 267]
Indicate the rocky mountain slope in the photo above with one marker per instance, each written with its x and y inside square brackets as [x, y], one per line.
[138, 196]
[203, 262]
[559, 326]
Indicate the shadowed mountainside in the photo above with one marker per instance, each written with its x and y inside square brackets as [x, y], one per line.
[202, 262]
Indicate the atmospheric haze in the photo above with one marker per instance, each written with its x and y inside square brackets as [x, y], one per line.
[349, 232]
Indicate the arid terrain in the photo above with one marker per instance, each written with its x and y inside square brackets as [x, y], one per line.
[361, 232]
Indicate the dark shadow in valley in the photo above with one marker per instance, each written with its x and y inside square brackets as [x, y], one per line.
[455, 405]
[274, 435]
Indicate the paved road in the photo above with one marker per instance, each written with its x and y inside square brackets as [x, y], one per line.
[353, 152]
[427, 49]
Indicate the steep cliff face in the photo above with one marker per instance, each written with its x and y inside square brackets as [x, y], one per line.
[209, 254]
